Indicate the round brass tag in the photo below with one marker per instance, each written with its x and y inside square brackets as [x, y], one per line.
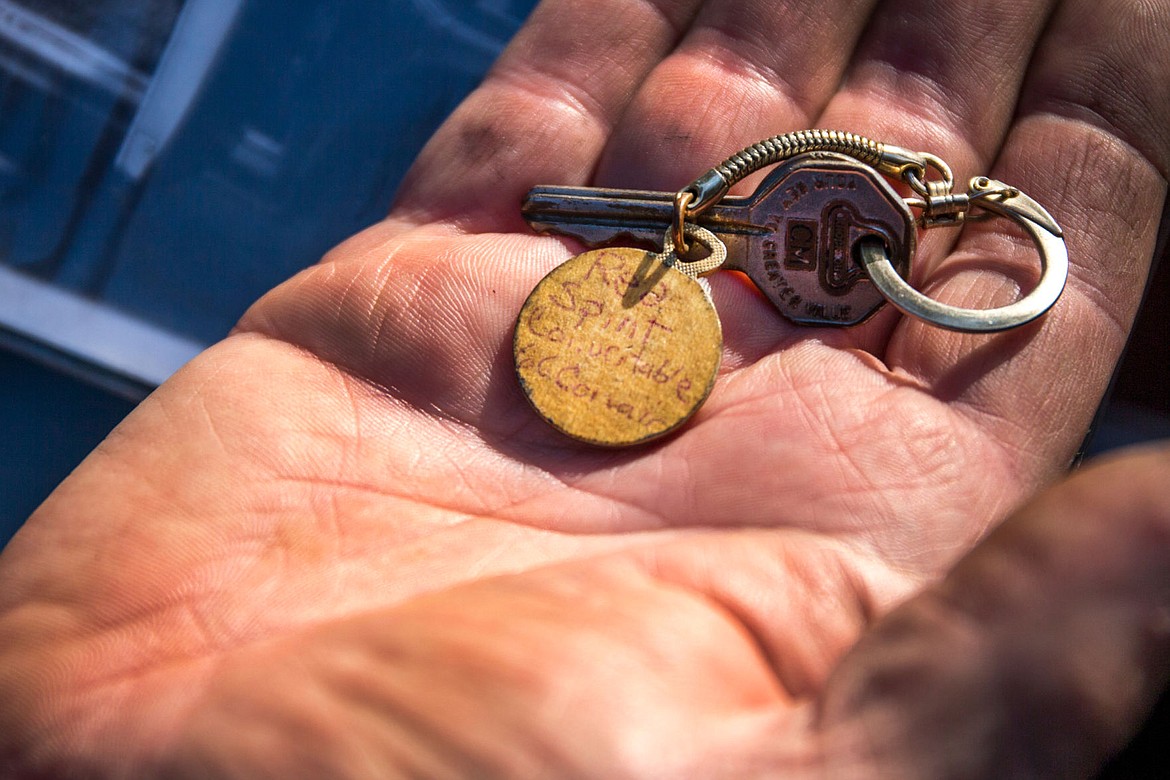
[615, 347]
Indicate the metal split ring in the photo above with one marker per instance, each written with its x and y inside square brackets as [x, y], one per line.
[1049, 241]
[678, 233]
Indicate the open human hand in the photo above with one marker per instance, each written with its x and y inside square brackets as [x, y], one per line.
[340, 542]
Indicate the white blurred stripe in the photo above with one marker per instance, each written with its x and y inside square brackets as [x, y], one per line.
[111, 341]
[68, 51]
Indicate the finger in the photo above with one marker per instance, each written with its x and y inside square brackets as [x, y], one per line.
[544, 111]
[942, 78]
[747, 69]
[1036, 657]
[1091, 143]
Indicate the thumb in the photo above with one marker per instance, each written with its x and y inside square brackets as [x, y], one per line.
[1038, 656]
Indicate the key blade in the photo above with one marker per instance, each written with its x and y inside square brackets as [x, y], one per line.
[593, 235]
[599, 216]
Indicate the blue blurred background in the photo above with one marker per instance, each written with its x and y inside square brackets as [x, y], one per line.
[163, 163]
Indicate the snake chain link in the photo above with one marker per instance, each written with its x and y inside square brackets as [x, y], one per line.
[781, 147]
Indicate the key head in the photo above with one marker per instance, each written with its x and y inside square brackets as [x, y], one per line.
[814, 211]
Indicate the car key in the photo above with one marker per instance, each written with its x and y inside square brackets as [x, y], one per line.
[796, 237]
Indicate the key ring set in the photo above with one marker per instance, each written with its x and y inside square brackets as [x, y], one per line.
[939, 206]
[619, 345]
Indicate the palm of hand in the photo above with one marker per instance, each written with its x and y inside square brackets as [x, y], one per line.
[308, 525]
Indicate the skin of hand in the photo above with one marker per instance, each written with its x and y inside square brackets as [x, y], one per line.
[340, 543]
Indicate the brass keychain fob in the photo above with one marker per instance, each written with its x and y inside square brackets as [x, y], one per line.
[620, 346]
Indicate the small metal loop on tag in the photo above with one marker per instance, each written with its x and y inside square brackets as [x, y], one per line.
[678, 228]
[703, 237]
[1007, 202]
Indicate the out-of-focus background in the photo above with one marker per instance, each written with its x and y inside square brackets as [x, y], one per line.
[165, 162]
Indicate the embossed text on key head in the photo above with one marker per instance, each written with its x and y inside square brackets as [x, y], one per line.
[814, 211]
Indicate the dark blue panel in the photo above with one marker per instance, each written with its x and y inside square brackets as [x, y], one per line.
[48, 423]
